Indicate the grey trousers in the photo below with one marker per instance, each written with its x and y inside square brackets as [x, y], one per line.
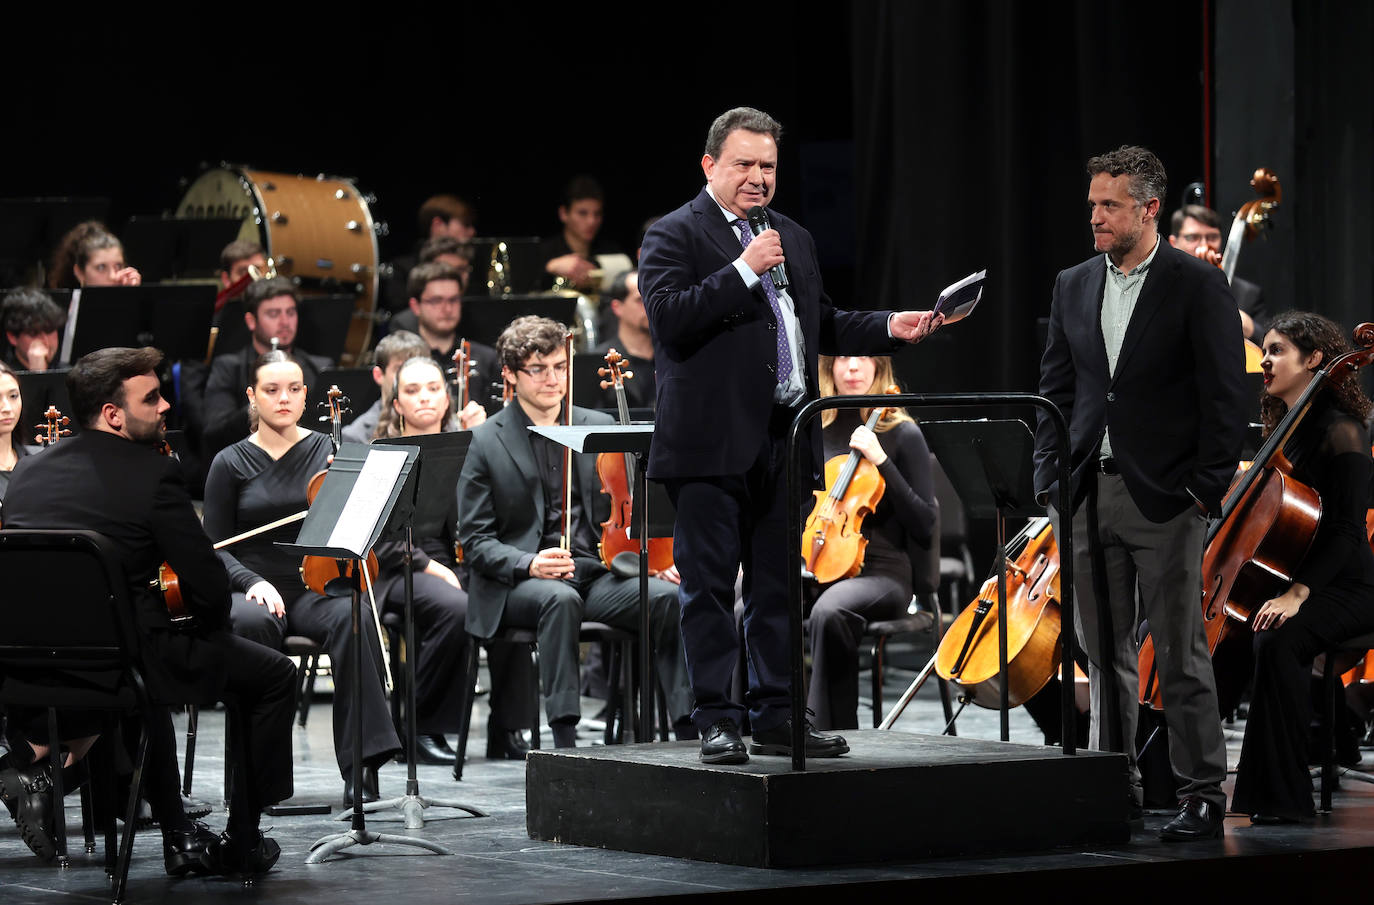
[1164, 560]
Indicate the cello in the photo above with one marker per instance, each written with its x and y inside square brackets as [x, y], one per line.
[617, 473]
[1268, 522]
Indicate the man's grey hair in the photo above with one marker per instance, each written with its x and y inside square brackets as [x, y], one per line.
[1147, 173]
[746, 118]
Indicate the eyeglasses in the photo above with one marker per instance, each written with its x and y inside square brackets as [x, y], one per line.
[1192, 238]
[436, 300]
[538, 372]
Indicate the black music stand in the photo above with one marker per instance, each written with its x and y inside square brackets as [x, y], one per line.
[485, 318]
[431, 499]
[358, 388]
[623, 438]
[173, 317]
[169, 248]
[990, 465]
[359, 495]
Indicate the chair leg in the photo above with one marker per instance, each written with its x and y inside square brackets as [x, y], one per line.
[59, 814]
[615, 700]
[534, 709]
[192, 724]
[310, 667]
[87, 805]
[876, 656]
[469, 686]
[1329, 730]
[126, 846]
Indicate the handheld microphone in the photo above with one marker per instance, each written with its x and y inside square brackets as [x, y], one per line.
[758, 222]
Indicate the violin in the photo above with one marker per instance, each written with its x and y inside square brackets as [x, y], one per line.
[318, 571]
[617, 473]
[833, 544]
[565, 536]
[464, 369]
[1268, 521]
[968, 654]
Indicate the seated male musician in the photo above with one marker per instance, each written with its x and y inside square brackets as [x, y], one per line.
[108, 478]
[631, 339]
[442, 249]
[436, 300]
[238, 258]
[510, 514]
[33, 324]
[440, 216]
[1193, 227]
[271, 312]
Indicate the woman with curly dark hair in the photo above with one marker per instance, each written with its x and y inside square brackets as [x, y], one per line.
[90, 255]
[1332, 595]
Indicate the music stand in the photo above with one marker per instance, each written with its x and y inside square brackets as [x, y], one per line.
[485, 318]
[360, 492]
[994, 481]
[623, 438]
[168, 248]
[431, 499]
[173, 317]
[324, 323]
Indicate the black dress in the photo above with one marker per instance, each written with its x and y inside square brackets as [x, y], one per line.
[1330, 453]
[247, 488]
[898, 531]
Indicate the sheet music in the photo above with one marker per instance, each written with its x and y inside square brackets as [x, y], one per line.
[369, 497]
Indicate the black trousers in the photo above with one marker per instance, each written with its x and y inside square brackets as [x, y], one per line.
[1272, 777]
[838, 619]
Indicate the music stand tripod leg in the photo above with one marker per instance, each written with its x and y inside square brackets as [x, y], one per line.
[358, 833]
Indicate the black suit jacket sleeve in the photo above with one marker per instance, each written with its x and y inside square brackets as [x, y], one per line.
[1057, 378]
[179, 535]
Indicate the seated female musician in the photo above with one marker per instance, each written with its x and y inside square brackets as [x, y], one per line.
[420, 405]
[902, 522]
[12, 448]
[90, 255]
[256, 481]
[1330, 598]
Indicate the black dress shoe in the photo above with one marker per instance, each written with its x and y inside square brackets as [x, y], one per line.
[1271, 820]
[370, 787]
[30, 791]
[721, 744]
[433, 749]
[1197, 819]
[184, 853]
[234, 854]
[778, 740]
[506, 744]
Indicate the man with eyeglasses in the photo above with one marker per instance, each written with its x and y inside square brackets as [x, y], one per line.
[1195, 227]
[436, 299]
[510, 509]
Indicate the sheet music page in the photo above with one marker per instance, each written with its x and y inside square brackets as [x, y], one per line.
[364, 506]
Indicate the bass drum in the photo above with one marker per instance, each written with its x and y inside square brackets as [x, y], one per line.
[318, 230]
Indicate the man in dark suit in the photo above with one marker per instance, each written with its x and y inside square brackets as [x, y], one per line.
[735, 355]
[1194, 227]
[110, 479]
[510, 505]
[1143, 360]
[270, 311]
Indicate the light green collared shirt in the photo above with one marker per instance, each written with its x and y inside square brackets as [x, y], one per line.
[1119, 296]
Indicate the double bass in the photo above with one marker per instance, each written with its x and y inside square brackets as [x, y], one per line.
[1267, 525]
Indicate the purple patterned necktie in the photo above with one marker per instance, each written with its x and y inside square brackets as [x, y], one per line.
[784, 350]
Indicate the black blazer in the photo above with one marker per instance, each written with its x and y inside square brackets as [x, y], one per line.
[501, 510]
[715, 341]
[137, 498]
[1176, 405]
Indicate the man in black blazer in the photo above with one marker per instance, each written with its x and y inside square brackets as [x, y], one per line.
[510, 503]
[734, 355]
[1143, 359]
[109, 478]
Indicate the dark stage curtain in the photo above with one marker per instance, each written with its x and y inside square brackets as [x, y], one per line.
[972, 122]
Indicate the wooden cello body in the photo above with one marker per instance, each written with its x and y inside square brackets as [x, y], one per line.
[968, 653]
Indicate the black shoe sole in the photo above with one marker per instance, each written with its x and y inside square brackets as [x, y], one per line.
[725, 757]
[1217, 833]
[786, 751]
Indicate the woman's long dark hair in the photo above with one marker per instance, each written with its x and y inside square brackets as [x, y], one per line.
[1311, 333]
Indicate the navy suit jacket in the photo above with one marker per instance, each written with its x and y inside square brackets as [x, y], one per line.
[1176, 404]
[715, 341]
[501, 510]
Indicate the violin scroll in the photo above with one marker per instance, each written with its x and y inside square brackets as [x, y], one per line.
[53, 428]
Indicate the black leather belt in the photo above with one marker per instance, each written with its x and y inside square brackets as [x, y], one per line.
[1107, 465]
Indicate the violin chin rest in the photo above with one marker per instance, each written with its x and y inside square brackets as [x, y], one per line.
[625, 565]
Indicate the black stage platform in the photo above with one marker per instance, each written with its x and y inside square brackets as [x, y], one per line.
[495, 861]
[895, 796]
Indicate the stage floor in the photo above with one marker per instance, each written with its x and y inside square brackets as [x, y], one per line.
[496, 861]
